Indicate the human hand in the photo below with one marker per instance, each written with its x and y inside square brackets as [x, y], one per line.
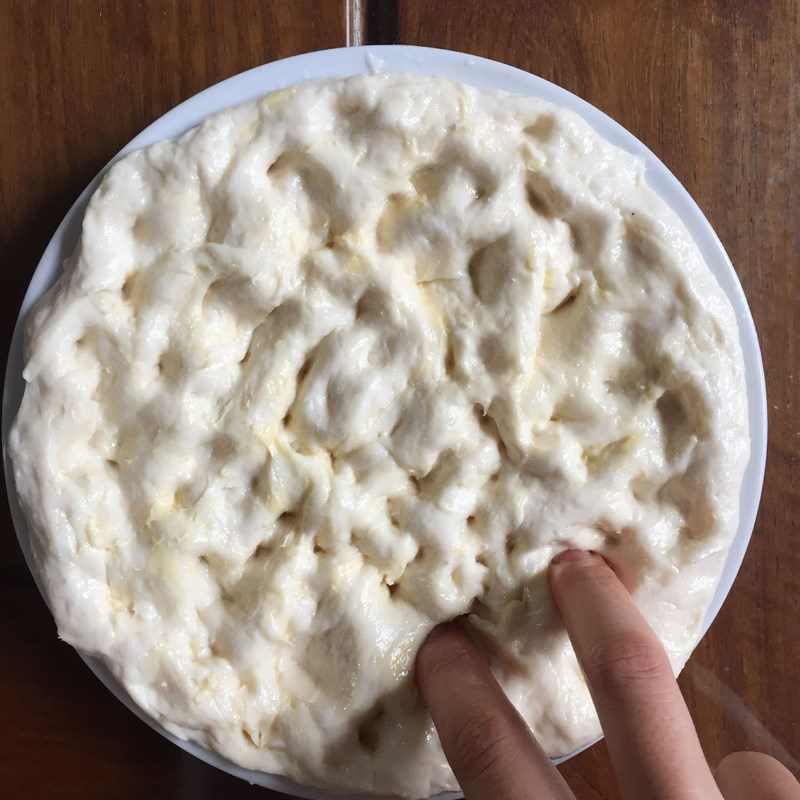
[648, 730]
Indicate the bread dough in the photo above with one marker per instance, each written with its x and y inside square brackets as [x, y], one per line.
[354, 359]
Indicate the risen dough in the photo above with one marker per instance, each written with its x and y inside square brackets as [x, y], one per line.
[354, 359]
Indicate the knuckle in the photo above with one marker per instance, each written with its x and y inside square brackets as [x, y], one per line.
[618, 660]
[480, 744]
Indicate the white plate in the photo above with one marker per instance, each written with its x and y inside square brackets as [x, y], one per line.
[469, 69]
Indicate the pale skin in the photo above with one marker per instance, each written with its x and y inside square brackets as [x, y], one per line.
[648, 730]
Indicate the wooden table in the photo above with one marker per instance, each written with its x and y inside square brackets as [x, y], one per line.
[712, 87]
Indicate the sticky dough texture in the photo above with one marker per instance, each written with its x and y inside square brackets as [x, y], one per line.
[354, 359]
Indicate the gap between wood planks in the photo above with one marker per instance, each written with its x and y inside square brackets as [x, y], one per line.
[371, 22]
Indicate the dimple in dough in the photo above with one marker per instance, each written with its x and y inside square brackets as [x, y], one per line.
[354, 359]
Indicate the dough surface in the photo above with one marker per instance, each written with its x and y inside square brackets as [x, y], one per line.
[354, 359]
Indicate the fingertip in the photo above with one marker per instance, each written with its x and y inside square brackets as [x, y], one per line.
[446, 649]
[574, 555]
[443, 629]
[574, 561]
[445, 635]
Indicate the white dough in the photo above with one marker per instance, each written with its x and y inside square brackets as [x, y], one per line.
[354, 359]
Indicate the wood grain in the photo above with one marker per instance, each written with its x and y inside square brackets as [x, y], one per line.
[710, 86]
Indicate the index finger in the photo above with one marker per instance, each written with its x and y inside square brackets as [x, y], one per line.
[490, 748]
[650, 735]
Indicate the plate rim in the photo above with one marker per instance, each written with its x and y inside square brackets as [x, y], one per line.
[470, 69]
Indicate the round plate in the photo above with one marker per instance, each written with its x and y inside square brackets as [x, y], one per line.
[478, 72]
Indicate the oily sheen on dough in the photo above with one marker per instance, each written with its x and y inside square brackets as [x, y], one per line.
[354, 359]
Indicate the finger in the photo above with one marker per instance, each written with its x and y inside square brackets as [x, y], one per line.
[755, 776]
[650, 735]
[490, 748]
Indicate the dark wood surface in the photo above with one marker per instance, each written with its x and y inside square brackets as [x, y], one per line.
[712, 87]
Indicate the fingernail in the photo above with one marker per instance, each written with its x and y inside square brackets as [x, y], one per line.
[574, 556]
